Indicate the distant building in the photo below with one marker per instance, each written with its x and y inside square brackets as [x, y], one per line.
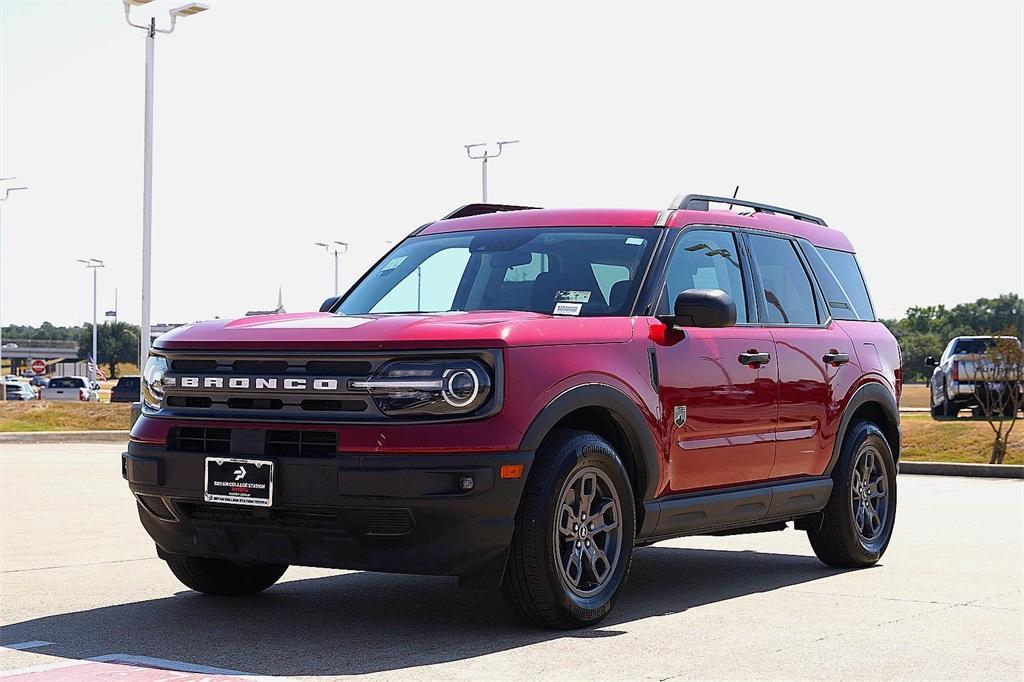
[276, 311]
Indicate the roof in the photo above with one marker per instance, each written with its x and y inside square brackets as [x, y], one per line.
[824, 237]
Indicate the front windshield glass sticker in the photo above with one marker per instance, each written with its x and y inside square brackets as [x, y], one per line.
[573, 296]
[392, 264]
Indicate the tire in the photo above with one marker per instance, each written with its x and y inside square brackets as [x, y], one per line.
[949, 408]
[846, 538]
[552, 579]
[224, 578]
[938, 410]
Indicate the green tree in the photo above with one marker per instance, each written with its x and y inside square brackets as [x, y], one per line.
[44, 332]
[116, 342]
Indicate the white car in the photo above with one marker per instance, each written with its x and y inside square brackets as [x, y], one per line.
[71, 388]
[19, 390]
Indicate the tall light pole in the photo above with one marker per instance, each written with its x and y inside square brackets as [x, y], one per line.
[336, 248]
[93, 264]
[147, 162]
[483, 157]
[3, 197]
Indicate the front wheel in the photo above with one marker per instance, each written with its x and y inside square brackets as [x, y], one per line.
[857, 522]
[224, 578]
[574, 534]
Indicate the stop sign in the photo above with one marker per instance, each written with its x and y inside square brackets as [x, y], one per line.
[38, 366]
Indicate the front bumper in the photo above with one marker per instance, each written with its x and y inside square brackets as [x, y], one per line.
[392, 513]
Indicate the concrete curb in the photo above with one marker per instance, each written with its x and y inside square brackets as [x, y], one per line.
[21, 438]
[963, 469]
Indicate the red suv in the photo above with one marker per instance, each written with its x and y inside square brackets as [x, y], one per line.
[520, 397]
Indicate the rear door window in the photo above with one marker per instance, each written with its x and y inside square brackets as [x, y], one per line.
[789, 295]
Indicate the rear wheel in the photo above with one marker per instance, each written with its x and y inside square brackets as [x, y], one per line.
[221, 577]
[574, 534]
[857, 523]
[945, 408]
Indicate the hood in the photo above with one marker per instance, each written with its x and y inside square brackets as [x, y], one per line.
[326, 331]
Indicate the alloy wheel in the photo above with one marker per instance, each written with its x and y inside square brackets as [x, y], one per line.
[588, 534]
[869, 495]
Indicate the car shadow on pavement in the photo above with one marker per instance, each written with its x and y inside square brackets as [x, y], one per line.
[366, 622]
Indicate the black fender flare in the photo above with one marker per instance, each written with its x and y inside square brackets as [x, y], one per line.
[872, 392]
[626, 415]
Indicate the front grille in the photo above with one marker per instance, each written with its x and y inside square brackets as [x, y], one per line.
[260, 366]
[302, 443]
[314, 388]
[255, 403]
[333, 405]
[278, 442]
[211, 441]
[362, 521]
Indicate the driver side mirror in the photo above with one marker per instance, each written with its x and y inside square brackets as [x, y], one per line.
[702, 308]
[326, 306]
[931, 362]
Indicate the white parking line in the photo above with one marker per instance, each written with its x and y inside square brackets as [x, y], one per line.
[129, 667]
[20, 646]
[180, 666]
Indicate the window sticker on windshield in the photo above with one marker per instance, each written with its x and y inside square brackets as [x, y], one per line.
[568, 308]
[392, 264]
[572, 296]
[635, 241]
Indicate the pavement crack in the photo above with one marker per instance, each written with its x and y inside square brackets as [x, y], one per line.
[90, 563]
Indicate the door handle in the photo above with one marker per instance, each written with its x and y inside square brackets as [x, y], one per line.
[835, 358]
[753, 359]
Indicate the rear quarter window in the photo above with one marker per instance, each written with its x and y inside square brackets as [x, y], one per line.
[841, 281]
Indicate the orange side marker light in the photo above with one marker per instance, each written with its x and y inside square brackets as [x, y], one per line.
[512, 470]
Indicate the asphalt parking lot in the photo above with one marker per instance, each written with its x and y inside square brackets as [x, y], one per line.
[82, 594]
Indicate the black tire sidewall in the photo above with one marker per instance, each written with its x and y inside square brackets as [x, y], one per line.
[862, 434]
[580, 451]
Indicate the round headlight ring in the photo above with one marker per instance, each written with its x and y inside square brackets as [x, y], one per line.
[450, 392]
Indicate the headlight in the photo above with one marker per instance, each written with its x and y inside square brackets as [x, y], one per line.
[153, 382]
[429, 388]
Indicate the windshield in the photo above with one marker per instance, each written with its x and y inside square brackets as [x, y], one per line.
[580, 271]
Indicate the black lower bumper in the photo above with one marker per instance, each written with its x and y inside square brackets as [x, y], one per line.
[392, 513]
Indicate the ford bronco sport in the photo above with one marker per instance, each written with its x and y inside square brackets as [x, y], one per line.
[520, 397]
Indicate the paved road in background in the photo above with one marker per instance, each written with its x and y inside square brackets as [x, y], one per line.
[946, 602]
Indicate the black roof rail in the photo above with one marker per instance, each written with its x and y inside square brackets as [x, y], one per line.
[699, 202]
[482, 209]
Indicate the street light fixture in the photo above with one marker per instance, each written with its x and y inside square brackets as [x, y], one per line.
[147, 163]
[6, 193]
[93, 264]
[483, 157]
[335, 248]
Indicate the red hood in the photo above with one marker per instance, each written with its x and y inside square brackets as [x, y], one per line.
[326, 331]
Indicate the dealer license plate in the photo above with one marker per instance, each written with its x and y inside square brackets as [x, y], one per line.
[239, 481]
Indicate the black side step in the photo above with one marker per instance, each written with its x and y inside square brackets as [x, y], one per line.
[698, 514]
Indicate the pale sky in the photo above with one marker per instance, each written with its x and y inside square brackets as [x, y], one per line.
[279, 124]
